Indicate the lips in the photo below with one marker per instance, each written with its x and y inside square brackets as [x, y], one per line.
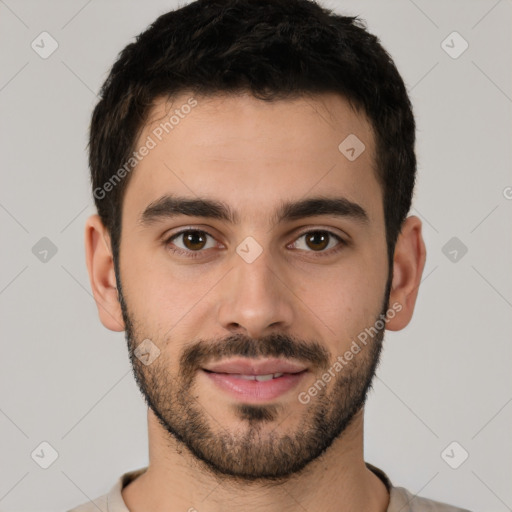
[256, 368]
[253, 380]
[259, 378]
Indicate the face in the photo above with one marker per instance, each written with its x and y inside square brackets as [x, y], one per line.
[252, 258]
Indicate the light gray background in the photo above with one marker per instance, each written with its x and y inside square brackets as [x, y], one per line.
[66, 380]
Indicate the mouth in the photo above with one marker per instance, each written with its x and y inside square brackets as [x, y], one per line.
[253, 380]
[256, 367]
[259, 378]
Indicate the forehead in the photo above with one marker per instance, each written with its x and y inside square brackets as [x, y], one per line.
[253, 153]
[218, 120]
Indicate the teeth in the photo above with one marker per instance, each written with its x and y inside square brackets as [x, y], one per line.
[262, 378]
[259, 378]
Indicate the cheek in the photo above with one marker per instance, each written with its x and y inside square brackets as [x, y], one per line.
[147, 288]
[160, 294]
[342, 301]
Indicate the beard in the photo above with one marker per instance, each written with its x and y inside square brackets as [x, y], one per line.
[256, 450]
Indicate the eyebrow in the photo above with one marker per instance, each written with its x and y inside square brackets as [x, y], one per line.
[170, 206]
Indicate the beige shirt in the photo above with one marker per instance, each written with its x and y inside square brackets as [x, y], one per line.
[400, 500]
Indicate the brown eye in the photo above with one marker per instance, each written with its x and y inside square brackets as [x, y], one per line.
[318, 241]
[190, 240]
[194, 240]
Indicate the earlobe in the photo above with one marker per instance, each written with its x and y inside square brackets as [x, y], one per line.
[408, 264]
[100, 265]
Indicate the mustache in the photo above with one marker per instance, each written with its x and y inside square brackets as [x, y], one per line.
[273, 345]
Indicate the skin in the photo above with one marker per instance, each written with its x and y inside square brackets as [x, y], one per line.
[252, 155]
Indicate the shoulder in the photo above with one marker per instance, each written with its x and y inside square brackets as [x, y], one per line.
[113, 500]
[401, 499]
[99, 505]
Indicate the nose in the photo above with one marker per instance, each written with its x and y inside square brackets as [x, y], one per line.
[256, 298]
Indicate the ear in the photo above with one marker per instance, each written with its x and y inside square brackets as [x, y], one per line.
[408, 264]
[100, 265]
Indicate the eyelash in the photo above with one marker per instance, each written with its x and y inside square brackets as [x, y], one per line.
[197, 254]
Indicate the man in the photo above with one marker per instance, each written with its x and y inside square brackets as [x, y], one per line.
[253, 165]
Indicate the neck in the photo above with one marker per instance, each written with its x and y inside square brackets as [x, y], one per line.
[176, 481]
